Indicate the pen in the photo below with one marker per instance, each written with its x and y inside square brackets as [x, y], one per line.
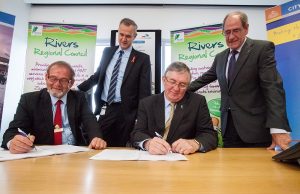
[159, 136]
[25, 135]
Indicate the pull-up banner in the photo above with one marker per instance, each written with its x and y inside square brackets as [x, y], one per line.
[7, 22]
[283, 28]
[197, 47]
[48, 43]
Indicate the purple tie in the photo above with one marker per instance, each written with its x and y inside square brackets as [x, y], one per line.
[231, 66]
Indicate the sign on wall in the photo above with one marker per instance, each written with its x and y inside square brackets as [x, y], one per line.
[49, 42]
[7, 22]
[283, 28]
[197, 48]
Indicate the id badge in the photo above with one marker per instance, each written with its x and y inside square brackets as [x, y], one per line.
[58, 129]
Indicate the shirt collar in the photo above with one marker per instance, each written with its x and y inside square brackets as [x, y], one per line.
[54, 99]
[240, 48]
[126, 51]
[167, 102]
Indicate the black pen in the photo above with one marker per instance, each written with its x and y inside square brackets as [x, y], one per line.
[25, 135]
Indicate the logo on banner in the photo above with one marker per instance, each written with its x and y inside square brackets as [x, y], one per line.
[36, 30]
[146, 36]
[179, 37]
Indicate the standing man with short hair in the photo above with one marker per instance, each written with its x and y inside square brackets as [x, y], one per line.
[253, 112]
[122, 79]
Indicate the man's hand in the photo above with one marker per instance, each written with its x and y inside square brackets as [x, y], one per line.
[157, 146]
[20, 144]
[281, 139]
[185, 146]
[97, 143]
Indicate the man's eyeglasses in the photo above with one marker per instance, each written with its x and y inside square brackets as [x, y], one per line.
[234, 32]
[174, 83]
[62, 81]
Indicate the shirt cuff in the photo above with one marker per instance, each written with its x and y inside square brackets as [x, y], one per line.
[276, 130]
[8, 144]
[201, 148]
[141, 144]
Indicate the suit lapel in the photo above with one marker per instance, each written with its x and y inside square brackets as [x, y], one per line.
[159, 110]
[46, 106]
[131, 61]
[178, 115]
[243, 56]
[107, 60]
[71, 111]
[224, 59]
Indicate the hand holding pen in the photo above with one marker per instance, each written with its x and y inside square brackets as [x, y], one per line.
[21, 143]
[157, 145]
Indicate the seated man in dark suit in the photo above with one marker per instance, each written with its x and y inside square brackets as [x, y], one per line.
[53, 115]
[175, 120]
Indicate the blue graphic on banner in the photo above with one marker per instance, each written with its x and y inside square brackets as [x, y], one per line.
[7, 18]
[289, 68]
[290, 7]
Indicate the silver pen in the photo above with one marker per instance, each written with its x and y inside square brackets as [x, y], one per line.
[25, 135]
[159, 136]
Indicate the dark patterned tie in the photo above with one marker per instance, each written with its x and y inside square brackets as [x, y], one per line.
[231, 66]
[58, 124]
[113, 81]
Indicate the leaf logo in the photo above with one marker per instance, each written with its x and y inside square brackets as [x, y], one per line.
[36, 30]
[179, 37]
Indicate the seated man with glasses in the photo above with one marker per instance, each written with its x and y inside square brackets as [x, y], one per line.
[53, 115]
[175, 120]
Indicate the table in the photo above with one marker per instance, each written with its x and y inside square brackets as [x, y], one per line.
[221, 171]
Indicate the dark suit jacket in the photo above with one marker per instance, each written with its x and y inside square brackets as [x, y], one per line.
[35, 116]
[135, 86]
[191, 120]
[255, 96]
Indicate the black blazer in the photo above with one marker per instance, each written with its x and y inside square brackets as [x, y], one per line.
[191, 120]
[255, 96]
[136, 82]
[34, 115]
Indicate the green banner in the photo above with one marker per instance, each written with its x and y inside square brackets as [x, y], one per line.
[197, 47]
[48, 42]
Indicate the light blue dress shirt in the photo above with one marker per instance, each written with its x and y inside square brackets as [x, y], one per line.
[109, 71]
[67, 135]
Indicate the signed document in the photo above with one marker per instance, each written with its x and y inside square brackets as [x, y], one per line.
[42, 151]
[118, 154]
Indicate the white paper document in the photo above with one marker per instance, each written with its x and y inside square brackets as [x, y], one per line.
[42, 151]
[117, 154]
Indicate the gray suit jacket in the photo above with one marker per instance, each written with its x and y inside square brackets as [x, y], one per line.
[34, 115]
[255, 96]
[191, 120]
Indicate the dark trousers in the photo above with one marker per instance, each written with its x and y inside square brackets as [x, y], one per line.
[114, 127]
[231, 138]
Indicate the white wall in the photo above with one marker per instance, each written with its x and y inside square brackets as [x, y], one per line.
[166, 18]
[14, 84]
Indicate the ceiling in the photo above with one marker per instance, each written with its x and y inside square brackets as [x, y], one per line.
[163, 2]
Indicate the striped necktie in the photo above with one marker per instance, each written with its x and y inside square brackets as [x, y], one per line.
[168, 122]
[113, 81]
